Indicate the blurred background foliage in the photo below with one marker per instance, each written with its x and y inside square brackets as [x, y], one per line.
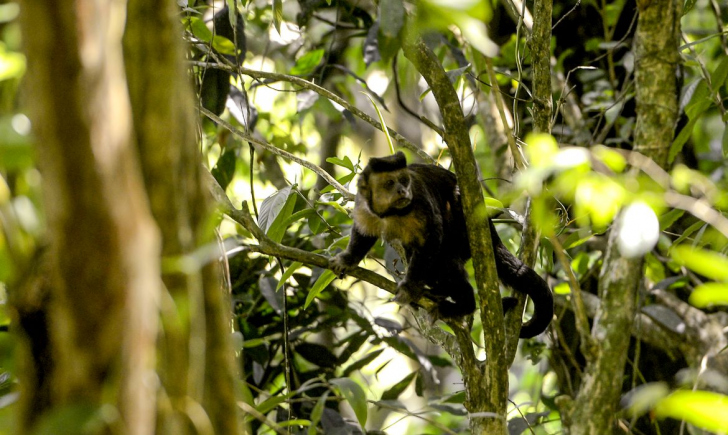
[356, 360]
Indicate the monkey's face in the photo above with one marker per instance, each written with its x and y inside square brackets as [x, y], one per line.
[387, 192]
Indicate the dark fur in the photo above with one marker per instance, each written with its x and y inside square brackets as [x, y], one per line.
[419, 206]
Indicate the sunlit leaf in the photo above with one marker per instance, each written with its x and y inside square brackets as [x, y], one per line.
[345, 162]
[307, 63]
[599, 198]
[277, 14]
[288, 273]
[709, 294]
[707, 263]
[384, 124]
[320, 284]
[703, 409]
[271, 208]
[356, 397]
[541, 150]
[562, 288]
[613, 159]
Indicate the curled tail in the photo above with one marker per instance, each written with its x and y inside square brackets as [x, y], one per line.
[516, 275]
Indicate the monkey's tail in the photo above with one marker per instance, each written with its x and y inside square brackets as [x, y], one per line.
[516, 275]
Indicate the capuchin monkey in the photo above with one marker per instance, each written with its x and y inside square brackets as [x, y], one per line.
[420, 207]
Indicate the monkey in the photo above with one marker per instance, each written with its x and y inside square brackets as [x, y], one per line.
[419, 206]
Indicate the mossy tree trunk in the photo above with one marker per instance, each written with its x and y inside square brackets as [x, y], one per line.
[196, 366]
[114, 158]
[656, 59]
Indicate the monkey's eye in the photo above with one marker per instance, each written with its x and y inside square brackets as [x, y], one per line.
[404, 180]
[389, 184]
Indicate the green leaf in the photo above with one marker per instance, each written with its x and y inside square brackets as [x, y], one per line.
[391, 20]
[356, 397]
[343, 180]
[562, 288]
[669, 218]
[224, 169]
[689, 232]
[707, 263]
[277, 14]
[384, 124]
[397, 389]
[289, 272]
[198, 28]
[317, 412]
[274, 210]
[307, 63]
[305, 213]
[362, 362]
[223, 45]
[719, 74]
[724, 142]
[232, 8]
[576, 238]
[709, 294]
[344, 163]
[335, 205]
[680, 140]
[12, 64]
[703, 409]
[320, 284]
[281, 222]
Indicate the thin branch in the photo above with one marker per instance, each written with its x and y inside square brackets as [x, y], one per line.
[577, 301]
[700, 208]
[285, 154]
[517, 156]
[401, 140]
[421, 118]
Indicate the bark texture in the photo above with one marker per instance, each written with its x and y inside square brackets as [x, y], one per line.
[656, 58]
[197, 368]
[103, 255]
[486, 384]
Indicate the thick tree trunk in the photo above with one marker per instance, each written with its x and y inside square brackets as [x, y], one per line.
[197, 361]
[103, 255]
[656, 55]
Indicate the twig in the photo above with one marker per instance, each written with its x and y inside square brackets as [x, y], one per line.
[285, 154]
[401, 140]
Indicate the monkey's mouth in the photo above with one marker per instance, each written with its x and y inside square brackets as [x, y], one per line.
[402, 203]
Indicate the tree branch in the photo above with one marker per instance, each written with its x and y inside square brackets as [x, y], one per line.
[401, 140]
[285, 154]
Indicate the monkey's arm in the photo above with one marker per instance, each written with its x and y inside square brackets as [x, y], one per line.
[359, 245]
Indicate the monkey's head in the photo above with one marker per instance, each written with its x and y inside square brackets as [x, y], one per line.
[386, 184]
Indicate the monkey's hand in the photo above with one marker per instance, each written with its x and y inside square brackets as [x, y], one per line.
[407, 292]
[342, 264]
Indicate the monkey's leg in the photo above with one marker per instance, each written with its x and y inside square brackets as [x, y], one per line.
[454, 293]
[359, 245]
